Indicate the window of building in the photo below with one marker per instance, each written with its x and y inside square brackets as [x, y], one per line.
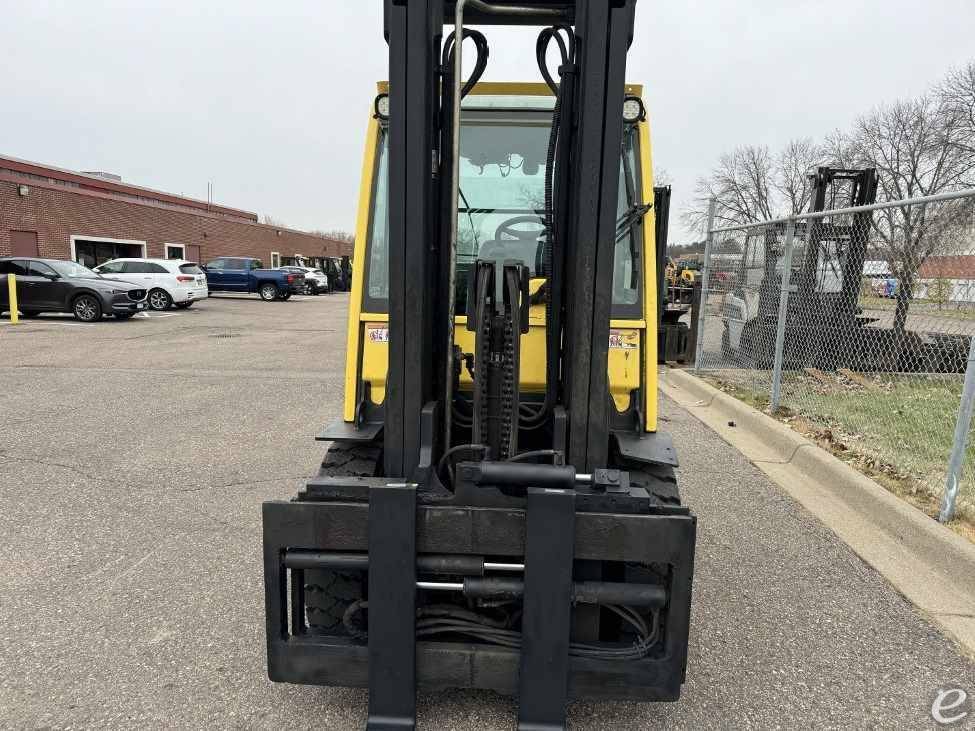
[93, 250]
[275, 260]
[175, 251]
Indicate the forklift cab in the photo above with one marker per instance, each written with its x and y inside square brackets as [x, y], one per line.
[500, 217]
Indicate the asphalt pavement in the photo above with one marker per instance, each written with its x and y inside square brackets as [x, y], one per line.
[134, 457]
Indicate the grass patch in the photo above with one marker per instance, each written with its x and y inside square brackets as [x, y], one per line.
[920, 307]
[897, 430]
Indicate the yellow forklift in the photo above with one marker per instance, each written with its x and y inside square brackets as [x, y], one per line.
[496, 508]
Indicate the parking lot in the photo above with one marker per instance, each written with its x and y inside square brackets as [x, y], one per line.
[134, 457]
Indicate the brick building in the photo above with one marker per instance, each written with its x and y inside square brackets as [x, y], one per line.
[94, 217]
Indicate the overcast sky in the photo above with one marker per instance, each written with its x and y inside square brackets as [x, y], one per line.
[269, 100]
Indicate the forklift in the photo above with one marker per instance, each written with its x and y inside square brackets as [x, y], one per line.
[496, 508]
[825, 277]
[825, 326]
[339, 272]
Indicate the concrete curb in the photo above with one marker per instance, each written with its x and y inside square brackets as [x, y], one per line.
[930, 565]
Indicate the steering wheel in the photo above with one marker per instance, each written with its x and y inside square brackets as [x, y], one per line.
[508, 228]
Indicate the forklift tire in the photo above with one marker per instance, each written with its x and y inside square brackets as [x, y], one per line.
[329, 593]
[351, 460]
[726, 350]
[658, 480]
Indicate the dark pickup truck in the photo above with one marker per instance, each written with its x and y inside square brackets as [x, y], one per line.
[244, 274]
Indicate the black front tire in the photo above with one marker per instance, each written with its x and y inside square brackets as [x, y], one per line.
[87, 308]
[329, 593]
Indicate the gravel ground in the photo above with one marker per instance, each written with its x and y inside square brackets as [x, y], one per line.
[134, 458]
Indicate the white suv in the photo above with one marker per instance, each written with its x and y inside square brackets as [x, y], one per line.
[168, 281]
[316, 281]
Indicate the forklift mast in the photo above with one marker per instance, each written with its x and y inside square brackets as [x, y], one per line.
[419, 251]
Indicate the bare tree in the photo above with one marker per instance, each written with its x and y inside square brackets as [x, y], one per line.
[917, 148]
[751, 184]
[662, 177]
[792, 181]
[956, 94]
[335, 235]
[269, 220]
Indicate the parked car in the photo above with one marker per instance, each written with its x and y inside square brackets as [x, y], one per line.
[52, 285]
[884, 287]
[168, 281]
[316, 281]
[244, 274]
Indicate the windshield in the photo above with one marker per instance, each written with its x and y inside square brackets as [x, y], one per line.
[501, 206]
[71, 269]
[502, 199]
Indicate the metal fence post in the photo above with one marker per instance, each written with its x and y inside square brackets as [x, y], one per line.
[962, 425]
[705, 283]
[790, 231]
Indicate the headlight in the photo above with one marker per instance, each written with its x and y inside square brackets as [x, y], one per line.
[381, 107]
[633, 110]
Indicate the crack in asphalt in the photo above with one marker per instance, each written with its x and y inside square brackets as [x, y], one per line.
[93, 478]
[244, 484]
[47, 463]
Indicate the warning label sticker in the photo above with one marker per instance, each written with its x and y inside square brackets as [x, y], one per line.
[377, 333]
[624, 339]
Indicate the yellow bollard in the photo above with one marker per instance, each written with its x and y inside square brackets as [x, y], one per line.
[12, 290]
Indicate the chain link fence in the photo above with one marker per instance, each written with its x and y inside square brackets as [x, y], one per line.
[856, 326]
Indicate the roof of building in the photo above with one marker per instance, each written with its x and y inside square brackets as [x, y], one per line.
[876, 268]
[99, 182]
[956, 266]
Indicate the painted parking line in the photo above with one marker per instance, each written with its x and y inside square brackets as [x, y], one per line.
[73, 323]
[32, 325]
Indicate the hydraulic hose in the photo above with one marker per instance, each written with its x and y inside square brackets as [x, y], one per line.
[483, 52]
[553, 298]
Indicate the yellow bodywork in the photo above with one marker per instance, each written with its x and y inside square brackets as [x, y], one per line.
[633, 343]
[681, 274]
